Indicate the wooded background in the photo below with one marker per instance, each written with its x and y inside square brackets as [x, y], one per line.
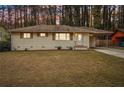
[106, 17]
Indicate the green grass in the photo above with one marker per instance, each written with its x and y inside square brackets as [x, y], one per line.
[60, 68]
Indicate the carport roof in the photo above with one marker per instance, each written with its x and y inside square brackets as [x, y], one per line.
[122, 30]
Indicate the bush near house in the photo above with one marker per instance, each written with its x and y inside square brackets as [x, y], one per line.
[5, 40]
[4, 46]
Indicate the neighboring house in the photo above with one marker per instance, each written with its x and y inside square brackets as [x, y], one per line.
[44, 37]
[118, 37]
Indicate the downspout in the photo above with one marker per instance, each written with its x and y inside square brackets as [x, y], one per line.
[74, 38]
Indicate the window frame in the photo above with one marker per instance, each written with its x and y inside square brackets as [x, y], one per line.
[63, 36]
[77, 36]
[42, 35]
[27, 36]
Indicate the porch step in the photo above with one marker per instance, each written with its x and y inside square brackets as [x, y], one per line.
[80, 47]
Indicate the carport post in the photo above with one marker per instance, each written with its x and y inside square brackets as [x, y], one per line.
[107, 44]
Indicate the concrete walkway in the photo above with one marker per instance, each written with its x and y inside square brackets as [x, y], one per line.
[110, 51]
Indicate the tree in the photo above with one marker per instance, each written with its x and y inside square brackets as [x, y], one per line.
[97, 16]
[107, 17]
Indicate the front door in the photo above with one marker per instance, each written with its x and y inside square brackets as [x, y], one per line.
[79, 40]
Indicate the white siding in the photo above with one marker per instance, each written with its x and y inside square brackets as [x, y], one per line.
[43, 43]
[86, 40]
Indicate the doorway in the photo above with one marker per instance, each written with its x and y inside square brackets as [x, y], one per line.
[92, 42]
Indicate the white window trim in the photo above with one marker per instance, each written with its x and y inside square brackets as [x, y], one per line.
[42, 34]
[26, 35]
[66, 36]
[79, 38]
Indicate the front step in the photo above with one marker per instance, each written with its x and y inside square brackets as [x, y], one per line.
[80, 48]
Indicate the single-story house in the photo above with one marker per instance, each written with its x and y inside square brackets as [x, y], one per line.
[44, 37]
[118, 37]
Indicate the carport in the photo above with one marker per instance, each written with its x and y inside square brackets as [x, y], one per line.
[100, 38]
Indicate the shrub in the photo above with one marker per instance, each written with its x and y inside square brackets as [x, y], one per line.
[4, 46]
[58, 47]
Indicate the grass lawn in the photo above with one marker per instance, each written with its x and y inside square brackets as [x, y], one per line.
[60, 68]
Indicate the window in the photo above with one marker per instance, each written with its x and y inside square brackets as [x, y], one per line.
[0, 36]
[42, 34]
[27, 35]
[62, 36]
[79, 37]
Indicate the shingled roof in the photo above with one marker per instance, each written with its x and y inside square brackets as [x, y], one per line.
[61, 28]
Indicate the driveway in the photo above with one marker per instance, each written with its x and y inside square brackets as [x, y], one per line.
[110, 51]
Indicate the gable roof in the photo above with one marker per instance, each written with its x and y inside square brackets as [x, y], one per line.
[61, 28]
